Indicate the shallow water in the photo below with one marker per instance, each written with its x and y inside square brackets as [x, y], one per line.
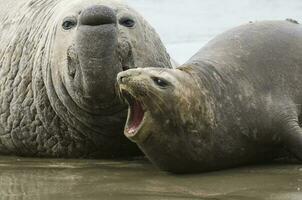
[30, 179]
[185, 25]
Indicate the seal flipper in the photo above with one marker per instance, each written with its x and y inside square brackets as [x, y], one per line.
[293, 137]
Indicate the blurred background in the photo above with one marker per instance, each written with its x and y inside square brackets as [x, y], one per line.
[186, 25]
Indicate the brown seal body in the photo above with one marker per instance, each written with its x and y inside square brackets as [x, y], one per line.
[237, 101]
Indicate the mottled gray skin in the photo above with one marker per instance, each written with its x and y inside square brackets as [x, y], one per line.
[237, 101]
[57, 85]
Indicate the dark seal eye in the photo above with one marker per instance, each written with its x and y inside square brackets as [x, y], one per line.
[127, 22]
[69, 23]
[160, 82]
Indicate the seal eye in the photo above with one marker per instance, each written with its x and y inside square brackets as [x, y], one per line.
[69, 23]
[127, 22]
[160, 82]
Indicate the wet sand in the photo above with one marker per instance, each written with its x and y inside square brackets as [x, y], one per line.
[49, 179]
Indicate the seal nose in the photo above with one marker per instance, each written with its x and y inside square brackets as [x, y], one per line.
[124, 76]
[98, 15]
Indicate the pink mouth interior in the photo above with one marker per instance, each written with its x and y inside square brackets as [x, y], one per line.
[136, 117]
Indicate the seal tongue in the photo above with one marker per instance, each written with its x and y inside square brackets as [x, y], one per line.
[136, 117]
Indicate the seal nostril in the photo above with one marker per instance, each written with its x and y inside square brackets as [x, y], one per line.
[122, 79]
[98, 15]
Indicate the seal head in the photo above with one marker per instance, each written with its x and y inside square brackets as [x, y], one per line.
[160, 116]
[59, 60]
[92, 45]
[93, 41]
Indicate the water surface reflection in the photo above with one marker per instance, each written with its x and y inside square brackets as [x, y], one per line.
[49, 179]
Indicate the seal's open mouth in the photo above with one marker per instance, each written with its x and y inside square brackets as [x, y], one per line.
[135, 115]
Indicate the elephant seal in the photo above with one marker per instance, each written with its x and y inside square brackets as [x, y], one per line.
[59, 60]
[237, 101]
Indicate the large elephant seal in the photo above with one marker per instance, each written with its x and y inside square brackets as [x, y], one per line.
[237, 101]
[59, 60]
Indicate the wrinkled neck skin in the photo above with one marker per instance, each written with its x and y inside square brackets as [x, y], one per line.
[180, 139]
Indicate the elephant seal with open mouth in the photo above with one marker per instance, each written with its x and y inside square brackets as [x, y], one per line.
[237, 101]
[59, 60]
